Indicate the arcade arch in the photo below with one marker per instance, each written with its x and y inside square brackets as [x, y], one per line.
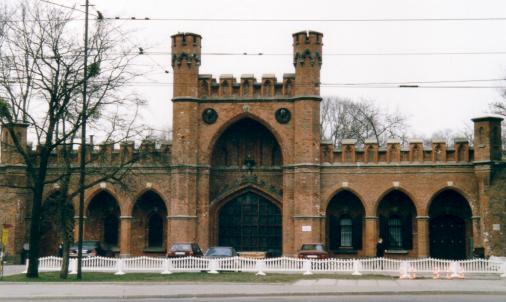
[450, 226]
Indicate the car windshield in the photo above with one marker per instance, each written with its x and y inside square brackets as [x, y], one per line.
[219, 251]
[181, 247]
[312, 247]
[87, 245]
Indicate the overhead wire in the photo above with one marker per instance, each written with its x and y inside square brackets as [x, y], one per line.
[179, 19]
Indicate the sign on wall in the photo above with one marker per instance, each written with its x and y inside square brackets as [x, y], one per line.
[306, 228]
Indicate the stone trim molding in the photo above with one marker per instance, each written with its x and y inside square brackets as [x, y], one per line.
[371, 217]
[422, 217]
[182, 217]
[126, 217]
[308, 217]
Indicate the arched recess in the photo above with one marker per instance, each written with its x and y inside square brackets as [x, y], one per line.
[247, 152]
[149, 224]
[231, 123]
[450, 226]
[345, 223]
[246, 156]
[55, 224]
[397, 221]
[103, 222]
[249, 222]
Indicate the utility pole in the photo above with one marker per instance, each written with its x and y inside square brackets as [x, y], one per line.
[82, 163]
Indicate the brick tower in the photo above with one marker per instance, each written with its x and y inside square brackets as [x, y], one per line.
[305, 180]
[182, 206]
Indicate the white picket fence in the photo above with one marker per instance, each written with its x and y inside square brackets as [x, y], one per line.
[405, 268]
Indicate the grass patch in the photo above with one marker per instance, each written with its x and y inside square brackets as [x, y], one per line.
[187, 277]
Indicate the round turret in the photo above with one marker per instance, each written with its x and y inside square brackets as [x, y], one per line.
[307, 60]
[185, 63]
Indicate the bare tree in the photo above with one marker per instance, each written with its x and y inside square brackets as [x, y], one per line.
[499, 108]
[343, 118]
[449, 135]
[41, 77]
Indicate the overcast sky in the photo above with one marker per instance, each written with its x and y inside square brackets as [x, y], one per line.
[429, 109]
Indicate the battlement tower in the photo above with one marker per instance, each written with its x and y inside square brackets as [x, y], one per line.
[307, 60]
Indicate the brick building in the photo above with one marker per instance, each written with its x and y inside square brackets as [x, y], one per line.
[247, 168]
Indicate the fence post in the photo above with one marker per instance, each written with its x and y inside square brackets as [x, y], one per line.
[404, 270]
[119, 267]
[167, 265]
[213, 266]
[307, 267]
[73, 266]
[26, 267]
[260, 267]
[455, 270]
[503, 268]
[357, 266]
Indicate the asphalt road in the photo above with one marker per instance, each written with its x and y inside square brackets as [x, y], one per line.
[337, 298]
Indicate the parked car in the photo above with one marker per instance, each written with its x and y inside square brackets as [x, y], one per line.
[91, 248]
[220, 252]
[184, 250]
[313, 251]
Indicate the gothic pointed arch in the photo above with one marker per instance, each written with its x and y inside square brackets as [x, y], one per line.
[249, 221]
[345, 222]
[57, 221]
[450, 226]
[149, 224]
[102, 221]
[397, 220]
[211, 144]
[245, 153]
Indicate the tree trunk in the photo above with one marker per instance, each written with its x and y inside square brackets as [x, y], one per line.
[38, 190]
[67, 227]
[33, 265]
[64, 272]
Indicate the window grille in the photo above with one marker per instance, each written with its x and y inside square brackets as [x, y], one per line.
[346, 232]
[395, 233]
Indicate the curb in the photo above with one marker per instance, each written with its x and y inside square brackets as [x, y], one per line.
[238, 295]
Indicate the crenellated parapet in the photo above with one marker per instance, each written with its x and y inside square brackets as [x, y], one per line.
[190, 85]
[107, 154]
[247, 86]
[395, 153]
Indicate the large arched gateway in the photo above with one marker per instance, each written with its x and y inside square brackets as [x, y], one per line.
[250, 222]
[450, 229]
[247, 156]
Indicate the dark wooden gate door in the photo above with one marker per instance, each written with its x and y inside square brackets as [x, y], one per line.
[447, 237]
[251, 223]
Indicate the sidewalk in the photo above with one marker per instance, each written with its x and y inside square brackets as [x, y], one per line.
[10, 270]
[9, 291]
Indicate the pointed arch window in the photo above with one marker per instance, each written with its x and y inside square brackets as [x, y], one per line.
[155, 230]
[395, 232]
[346, 226]
[111, 229]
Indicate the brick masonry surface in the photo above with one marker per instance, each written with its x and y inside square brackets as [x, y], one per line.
[233, 136]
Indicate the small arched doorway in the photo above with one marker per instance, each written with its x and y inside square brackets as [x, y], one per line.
[250, 222]
[397, 214]
[52, 222]
[103, 220]
[149, 225]
[345, 218]
[450, 229]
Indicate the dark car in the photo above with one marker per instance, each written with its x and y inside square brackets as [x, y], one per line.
[220, 252]
[91, 248]
[184, 250]
[313, 251]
